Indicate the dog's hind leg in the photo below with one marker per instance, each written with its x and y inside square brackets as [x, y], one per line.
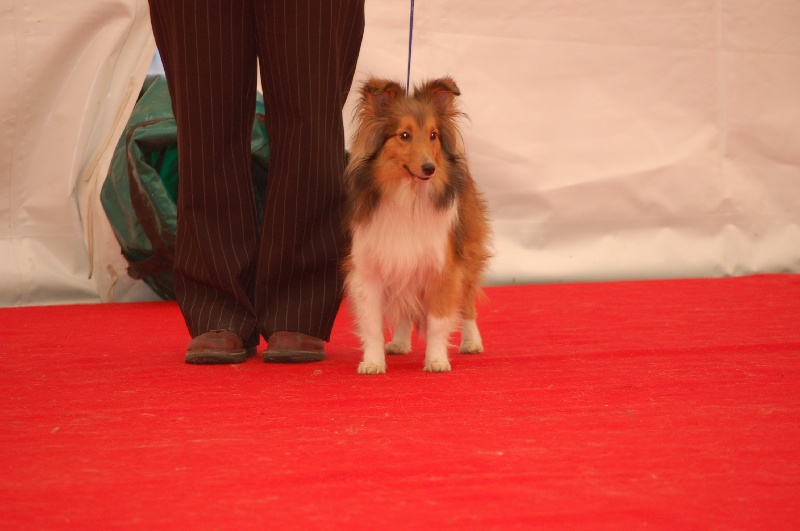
[471, 342]
[401, 339]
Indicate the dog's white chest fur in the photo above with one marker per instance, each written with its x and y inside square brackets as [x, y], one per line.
[402, 246]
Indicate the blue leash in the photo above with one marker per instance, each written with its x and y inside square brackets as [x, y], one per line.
[410, 38]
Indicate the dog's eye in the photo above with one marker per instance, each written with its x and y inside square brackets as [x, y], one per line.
[434, 136]
[405, 136]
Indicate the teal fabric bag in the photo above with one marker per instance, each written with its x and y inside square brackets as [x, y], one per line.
[140, 192]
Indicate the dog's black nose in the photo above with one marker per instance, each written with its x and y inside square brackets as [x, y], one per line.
[428, 168]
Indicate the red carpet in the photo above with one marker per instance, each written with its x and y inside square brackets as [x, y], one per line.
[661, 405]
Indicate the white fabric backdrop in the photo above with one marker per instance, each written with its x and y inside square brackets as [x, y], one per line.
[614, 139]
[627, 138]
[70, 74]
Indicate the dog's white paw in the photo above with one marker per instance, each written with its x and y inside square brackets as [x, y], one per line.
[398, 347]
[369, 367]
[437, 365]
[471, 347]
[471, 342]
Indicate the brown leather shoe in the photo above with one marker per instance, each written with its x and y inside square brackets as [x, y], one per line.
[217, 347]
[293, 347]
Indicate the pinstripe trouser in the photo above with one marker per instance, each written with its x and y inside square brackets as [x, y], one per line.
[229, 273]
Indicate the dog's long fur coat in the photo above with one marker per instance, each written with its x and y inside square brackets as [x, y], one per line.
[418, 224]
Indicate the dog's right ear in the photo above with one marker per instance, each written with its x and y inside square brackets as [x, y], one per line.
[372, 116]
[377, 94]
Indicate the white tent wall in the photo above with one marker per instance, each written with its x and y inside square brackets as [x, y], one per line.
[71, 72]
[620, 139]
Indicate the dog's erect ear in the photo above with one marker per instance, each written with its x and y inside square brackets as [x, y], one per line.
[376, 94]
[443, 91]
[371, 114]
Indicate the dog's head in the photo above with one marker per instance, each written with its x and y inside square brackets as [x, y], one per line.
[417, 134]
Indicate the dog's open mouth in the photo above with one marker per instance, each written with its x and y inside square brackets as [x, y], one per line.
[415, 176]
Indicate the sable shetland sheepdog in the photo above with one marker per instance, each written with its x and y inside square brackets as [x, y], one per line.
[418, 224]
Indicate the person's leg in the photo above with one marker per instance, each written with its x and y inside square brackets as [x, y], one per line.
[308, 52]
[209, 54]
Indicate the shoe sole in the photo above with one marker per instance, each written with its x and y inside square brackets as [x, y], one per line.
[293, 356]
[212, 356]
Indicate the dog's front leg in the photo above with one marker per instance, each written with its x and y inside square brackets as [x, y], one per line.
[367, 299]
[437, 339]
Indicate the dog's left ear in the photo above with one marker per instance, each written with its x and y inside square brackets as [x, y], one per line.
[443, 91]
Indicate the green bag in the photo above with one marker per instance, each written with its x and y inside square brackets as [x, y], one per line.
[140, 192]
